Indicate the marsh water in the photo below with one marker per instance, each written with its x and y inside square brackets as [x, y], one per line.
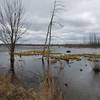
[76, 78]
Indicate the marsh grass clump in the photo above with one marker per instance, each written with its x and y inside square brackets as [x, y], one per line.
[96, 67]
[10, 91]
[49, 89]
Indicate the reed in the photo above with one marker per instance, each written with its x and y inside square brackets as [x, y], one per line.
[48, 90]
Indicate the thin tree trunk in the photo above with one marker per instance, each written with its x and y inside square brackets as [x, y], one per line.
[12, 60]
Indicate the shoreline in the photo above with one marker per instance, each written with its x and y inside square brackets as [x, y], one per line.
[58, 45]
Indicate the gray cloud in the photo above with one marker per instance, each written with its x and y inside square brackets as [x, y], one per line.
[79, 18]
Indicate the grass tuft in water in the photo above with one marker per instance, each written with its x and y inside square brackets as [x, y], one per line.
[48, 90]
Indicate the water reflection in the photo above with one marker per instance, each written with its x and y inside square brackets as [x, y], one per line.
[13, 78]
[75, 84]
[44, 67]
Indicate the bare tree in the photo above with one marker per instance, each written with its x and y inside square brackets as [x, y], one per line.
[49, 80]
[94, 39]
[11, 25]
[57, 6]
[47, 45]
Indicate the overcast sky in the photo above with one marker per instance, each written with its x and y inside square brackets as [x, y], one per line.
[78, 18]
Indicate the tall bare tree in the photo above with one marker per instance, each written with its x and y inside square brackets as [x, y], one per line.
[11, 25]
[57, 6]
[49, 80]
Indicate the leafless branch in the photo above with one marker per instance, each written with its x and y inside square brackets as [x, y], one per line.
[11, 22]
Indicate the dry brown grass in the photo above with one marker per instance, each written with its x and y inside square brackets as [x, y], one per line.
[49, 89]
[10, 91]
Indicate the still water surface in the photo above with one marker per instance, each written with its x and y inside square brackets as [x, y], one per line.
[81, 85]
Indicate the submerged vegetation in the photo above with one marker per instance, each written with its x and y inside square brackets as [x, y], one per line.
[96, 67]
[59, 56]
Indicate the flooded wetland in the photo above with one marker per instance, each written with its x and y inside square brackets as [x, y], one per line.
[75, 78]
[49, 50]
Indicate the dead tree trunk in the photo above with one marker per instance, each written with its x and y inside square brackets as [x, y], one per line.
[12, 60]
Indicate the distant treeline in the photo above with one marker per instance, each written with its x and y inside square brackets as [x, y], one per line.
[63, 45]
[93, 39]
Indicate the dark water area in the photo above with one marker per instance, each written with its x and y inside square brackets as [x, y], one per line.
[76, 79]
